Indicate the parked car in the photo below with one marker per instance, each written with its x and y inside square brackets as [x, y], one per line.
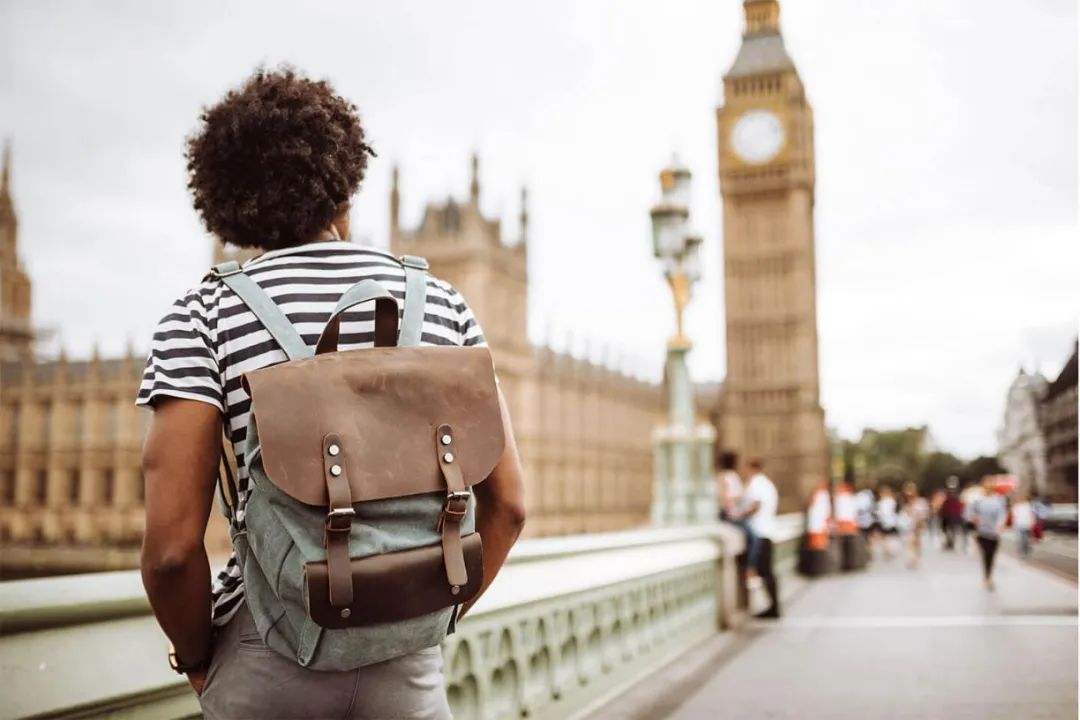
[1062, 517]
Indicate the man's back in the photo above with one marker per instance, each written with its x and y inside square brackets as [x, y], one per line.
[760, 489]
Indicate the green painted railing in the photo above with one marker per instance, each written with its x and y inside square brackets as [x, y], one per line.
[570, 621]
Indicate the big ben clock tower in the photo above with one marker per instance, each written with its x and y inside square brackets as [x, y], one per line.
[770, 406]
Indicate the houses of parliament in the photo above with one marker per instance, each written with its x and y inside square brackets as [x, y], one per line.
[71, 492]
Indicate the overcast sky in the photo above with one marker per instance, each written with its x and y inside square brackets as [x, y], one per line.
[946, 180]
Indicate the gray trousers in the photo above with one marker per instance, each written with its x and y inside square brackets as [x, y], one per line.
[246, 679]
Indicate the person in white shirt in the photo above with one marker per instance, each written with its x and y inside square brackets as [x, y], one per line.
[758, 508]
[887, 520]
[1023, 521]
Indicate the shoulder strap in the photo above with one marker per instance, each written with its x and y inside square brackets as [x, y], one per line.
[264, 308]
[412, 320]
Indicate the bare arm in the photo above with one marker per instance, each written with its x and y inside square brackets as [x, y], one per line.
[180, 463]
[500, 506]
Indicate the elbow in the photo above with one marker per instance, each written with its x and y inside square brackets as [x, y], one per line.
[167, 560]
[515, 515]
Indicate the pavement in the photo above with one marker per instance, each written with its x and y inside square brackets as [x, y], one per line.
[891, 642]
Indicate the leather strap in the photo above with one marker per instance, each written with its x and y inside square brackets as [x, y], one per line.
[264, 308]
[457, 505]
[386, 315]
[412, 317]
[338, 524]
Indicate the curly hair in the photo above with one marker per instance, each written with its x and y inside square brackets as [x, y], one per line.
[276, 160]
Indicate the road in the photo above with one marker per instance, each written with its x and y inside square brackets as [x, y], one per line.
[892, 642]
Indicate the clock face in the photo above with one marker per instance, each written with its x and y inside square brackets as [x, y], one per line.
[757, 137]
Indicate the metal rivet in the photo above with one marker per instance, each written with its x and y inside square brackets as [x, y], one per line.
[448, 457]
[346, 613]
[335, 470]
[333, 449]
[455, 589]
[446, 439]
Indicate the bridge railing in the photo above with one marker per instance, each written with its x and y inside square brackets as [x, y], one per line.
[570, 622]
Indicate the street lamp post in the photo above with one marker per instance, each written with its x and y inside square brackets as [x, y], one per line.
[683, 483]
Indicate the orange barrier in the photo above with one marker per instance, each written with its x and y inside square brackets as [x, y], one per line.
[844, 510]
[817, 519]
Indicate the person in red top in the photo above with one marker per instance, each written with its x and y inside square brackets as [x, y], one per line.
[952, 513]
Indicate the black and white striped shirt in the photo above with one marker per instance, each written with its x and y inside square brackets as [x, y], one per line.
[210, 339]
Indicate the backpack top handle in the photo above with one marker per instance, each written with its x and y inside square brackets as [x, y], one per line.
[386, 316]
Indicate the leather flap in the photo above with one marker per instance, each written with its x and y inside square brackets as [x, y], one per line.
[394, 586]
[384, 404]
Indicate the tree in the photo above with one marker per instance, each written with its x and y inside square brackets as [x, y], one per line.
[937, 467]
[979, 468]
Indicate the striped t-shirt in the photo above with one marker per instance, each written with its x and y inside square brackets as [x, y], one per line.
[210, 339]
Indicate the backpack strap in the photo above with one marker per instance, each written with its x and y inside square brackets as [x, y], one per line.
[412, 320]
[264, 308]
[455, 510]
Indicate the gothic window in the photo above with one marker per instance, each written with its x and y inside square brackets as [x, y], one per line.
[13, 431]
[41, 487]
[73, 487]
[108, 487]
[7, 492]
[46, 420]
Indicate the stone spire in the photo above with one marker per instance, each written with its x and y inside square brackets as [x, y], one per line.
[762, 16]
[524, 217]
[474, 185]
[395, 205]
[8, 222]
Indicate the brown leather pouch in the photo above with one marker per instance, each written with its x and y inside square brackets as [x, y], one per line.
[394, 586]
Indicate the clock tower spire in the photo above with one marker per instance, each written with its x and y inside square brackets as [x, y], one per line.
[770, 405]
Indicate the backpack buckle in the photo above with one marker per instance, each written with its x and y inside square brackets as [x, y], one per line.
[225, 269]
[338, 514]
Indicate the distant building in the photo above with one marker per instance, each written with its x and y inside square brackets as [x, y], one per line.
[1021, 444]
[1058, 418]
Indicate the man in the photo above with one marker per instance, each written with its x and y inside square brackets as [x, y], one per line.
[988, 514]
[274, 166]
[758, 509]
[730, 500]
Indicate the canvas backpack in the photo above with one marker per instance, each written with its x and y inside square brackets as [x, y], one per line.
[357, 542]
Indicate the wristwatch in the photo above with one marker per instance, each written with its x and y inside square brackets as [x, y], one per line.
[184, 668]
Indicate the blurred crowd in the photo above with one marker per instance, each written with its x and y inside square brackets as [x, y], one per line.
[952, 519]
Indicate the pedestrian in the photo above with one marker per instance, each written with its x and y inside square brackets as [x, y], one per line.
[730, 491]
[274, 166]
[987, 512]
[865, 502]
[886, 516]
[1023, 522]
[934, 528]
[915, 513]
[952, 513]
[758, 508]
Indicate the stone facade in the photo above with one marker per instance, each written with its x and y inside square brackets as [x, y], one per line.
[769, 403]
[584, 430]
[1021, 443]
[1058, 417]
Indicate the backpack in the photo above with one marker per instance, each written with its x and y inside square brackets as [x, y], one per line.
[357, 541]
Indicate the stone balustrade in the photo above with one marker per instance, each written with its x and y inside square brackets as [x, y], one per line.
[570, 622]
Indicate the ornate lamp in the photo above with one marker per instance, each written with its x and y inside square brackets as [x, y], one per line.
[683, 484]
